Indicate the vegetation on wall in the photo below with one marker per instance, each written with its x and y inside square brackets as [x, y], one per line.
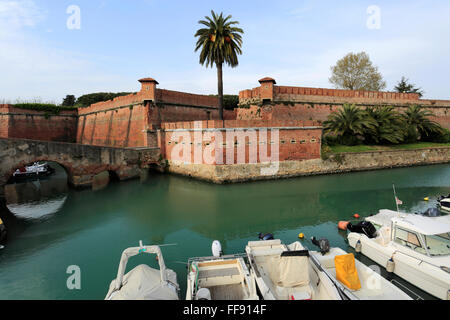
[46, 107]
[91, 98]
[230, 101]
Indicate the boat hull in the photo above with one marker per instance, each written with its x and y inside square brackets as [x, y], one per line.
[415, 270]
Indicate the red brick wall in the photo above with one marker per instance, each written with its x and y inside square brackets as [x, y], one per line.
[298, 140]
[121, 127]
[37, 125]
[124, 121]
[317, 103]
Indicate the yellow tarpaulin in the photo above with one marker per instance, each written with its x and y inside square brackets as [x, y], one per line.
[346, 271]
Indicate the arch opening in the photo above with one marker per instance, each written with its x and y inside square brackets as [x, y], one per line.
[37, 190]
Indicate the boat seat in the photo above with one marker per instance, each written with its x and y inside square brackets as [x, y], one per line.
[266, 251]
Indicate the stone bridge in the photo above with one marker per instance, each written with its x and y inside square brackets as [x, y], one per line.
[82, 163]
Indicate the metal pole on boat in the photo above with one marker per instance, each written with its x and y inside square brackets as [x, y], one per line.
[395, 198]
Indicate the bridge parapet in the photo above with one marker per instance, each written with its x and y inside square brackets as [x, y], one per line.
[81, 162]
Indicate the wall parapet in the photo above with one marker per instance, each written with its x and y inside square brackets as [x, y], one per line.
[317, 95]
[226, 124]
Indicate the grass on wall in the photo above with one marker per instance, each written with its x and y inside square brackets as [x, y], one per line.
[46, 107]
[365, 148]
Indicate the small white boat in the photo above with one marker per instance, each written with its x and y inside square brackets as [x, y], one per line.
[414, 247]
[373, 285]
[143, 282]
[287, 273]
[220, 277]
[33, 170]
[444, 203]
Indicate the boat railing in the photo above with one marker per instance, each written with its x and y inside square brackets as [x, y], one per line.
[405, 288]
[229, 256]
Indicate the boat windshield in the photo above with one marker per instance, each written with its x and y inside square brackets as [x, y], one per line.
[439, 244]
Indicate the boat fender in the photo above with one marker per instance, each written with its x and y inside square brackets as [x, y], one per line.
[216, 248]
[342, 225]
[2, 231]
[203, 294]
[358, 246]
[390, 265]
[266, 236]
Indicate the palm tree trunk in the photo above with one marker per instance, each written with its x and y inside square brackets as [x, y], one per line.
[220, 89]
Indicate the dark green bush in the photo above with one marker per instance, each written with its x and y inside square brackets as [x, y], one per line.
[47, 107]
[91, 98]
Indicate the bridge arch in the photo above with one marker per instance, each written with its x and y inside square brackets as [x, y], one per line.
[81, 162]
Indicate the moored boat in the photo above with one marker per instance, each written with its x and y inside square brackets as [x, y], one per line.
[370, 285]
[414, 247]
[286, 272]
[36, 170]
[444, 203]
[143, 282]
[220, 278]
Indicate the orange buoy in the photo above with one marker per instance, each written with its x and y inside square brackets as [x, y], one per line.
[356, 216]
[342, 225]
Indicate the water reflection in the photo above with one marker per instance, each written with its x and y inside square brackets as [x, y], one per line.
[38, 199]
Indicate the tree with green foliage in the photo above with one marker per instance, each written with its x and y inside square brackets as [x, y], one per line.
[220, 42]
[69, 101]
[356, 72]
[419, 125]
[403, 86]
[230, 101]
[350, 124]
[390, 128]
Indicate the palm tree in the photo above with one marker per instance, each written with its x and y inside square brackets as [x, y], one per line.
[390, 125]
[418, 123]
[220, 42]
[350, 124]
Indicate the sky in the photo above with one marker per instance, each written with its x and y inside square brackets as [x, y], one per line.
[44, 55]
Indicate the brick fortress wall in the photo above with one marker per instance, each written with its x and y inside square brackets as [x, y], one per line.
[271, 102]
[37, 125]
[129, 121]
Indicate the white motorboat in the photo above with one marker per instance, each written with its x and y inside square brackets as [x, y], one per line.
[220, 278]
[372, 285]
[287, 273]
[35, 170]
[444, 203]
[143, 282]
[415, 247]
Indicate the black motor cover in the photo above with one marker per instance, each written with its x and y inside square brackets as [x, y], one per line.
[432, 212]
[364, 227]
[323, 244]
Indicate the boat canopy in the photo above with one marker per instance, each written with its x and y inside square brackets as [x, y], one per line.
[424, 225]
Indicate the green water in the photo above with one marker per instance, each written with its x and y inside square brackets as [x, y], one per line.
[90, 229]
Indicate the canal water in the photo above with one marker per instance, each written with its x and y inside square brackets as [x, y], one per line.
[54, 227]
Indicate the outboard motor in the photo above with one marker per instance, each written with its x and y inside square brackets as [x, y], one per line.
[266, 236]
[323, 244]
[432, 212]
[216, 249]
[364, 227]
